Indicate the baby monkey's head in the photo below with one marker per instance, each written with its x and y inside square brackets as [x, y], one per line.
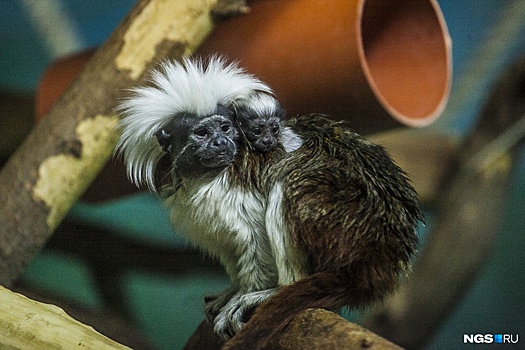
[260, 121]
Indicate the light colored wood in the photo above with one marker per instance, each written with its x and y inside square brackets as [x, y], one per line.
[31, 325]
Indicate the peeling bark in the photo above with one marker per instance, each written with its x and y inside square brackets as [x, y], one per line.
[67, 149]
[29, 324]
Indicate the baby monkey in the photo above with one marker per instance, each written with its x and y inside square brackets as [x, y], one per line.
[260, 121]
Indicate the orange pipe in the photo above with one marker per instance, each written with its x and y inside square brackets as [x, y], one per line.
[376, 63]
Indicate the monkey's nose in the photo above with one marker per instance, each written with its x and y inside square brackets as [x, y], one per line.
[267, 141]
[219, 144]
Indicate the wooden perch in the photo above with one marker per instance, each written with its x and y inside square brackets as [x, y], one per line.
[313, 329]
[67, 149]
[31, 325]
[467, 223]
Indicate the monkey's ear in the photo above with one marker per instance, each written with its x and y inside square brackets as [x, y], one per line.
[164, 137]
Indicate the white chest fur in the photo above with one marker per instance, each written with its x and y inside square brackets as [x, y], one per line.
[227, 223]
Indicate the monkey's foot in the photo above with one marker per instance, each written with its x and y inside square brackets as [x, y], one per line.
[232, 317]
[214, 303]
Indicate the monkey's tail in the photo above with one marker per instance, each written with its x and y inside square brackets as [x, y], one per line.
[325, 289]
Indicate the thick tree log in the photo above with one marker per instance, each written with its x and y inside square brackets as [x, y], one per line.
[68, 148]
[467, 223]
[313, 329]
[31, 325]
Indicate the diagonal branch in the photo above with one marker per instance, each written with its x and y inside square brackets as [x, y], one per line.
[67, 149]
[29, 324]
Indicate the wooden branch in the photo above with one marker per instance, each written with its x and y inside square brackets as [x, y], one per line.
[469, 215]
[313, 329]
[318, 329]
[29, 324]
[67, 149]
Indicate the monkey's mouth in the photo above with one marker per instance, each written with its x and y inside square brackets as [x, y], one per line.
[216, 159]
[264, 147]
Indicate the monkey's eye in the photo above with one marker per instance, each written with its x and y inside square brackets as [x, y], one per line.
[257, 131]
[202, 133]
[225, 127]
[275, 129]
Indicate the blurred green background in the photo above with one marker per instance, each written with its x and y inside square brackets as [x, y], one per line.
[166, 305]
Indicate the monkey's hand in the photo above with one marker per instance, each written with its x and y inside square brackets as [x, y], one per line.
[214, 303]
[234, 315]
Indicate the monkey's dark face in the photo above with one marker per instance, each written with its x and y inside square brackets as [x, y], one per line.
[198, 145]
[262, 133]
[213, 141]
[260, 122]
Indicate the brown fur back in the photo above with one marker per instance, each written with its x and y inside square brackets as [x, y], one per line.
[353, 214]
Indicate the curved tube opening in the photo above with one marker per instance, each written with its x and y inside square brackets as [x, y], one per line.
[406, 57]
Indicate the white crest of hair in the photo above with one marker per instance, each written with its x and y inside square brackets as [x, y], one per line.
[192, 86]
[262, 104]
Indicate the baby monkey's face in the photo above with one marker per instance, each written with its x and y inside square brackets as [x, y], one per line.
[260, 121]
[262, 133]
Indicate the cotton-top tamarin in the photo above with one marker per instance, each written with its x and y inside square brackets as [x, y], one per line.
[179, 138]
[301, 213]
